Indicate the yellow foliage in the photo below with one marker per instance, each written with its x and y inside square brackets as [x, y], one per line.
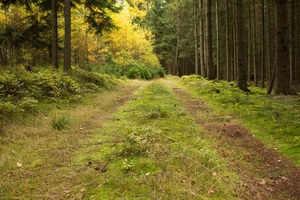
[130, 41]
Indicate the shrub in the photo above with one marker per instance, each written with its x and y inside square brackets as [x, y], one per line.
[57, 84]
[133, 73]
[93, 80]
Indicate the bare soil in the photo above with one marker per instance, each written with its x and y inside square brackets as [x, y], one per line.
[265, 173]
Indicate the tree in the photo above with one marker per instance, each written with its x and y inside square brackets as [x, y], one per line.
[210, 65]
[196, 38]
[218, 42]
[54, 48]
[241, 70]
[67, 43]
[202, 41]
[282, 50]
[228, 56]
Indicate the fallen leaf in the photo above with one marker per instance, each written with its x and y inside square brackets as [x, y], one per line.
[19, 164]
[284, 178]
[262, 182]
[211, 192]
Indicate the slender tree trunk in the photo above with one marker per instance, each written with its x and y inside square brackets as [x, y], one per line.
[254, 45]
[282, 50]
[270, 64]
[196, 38]
[228, 56]
[219, 74]
[241, 69]
[54, 48]
[249, 41]
[202, 41]
[210, 66]
[234, 36]
[297, 54]
[67, 43]
[292, 43]
[175, 71]
[263, 44]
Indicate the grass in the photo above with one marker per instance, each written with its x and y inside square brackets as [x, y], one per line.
[274, 119]
[36, 161]
[153, 151]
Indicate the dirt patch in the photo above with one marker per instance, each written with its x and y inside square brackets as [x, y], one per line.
[265, 173]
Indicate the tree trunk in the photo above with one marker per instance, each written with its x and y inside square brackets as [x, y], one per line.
[219, 74]
[196, 38]
[67, 41]
[254, 45]
[210, 66]
[54, 48]
[228, 56]
[175, 70]
[292, 43]
[249, 42]
[241, 69]
[202, 49]
[282, 50]
[263, 44]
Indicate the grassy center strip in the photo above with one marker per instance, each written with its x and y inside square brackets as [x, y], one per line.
[154, 150]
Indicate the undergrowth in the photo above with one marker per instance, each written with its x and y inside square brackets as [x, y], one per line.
[274, 119]
[154, 150]
[22, 92]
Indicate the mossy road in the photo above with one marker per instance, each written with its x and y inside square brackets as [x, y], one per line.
[146, 140]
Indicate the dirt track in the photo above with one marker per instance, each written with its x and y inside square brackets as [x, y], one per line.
[264, 172]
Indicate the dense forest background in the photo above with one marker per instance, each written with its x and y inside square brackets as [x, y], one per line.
[250, 41]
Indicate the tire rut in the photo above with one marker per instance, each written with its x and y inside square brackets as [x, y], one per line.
[265, 174]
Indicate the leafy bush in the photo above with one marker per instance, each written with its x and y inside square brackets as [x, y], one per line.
[93, 80]
[133, 73]
[57, 84]
[21, 90]
[132, 69]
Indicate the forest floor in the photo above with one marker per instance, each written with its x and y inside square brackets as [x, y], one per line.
[145, 140]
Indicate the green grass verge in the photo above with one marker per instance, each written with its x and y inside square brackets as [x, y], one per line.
[153, 149]
[274, 119]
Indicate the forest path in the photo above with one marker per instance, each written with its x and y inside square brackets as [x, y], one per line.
[264, 172]
[37, 162]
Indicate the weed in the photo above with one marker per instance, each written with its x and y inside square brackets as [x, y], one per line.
[60, 123]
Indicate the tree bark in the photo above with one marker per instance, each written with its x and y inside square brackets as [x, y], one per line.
[54, 48]
[67, 41]
[196, 38]
[228, 56]
[263, 44]
[219, 74]
[254, 45]
[282, 50]
[292, 43]
[210, 66]
[202, 41]
[241, 69]
[249, 42]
